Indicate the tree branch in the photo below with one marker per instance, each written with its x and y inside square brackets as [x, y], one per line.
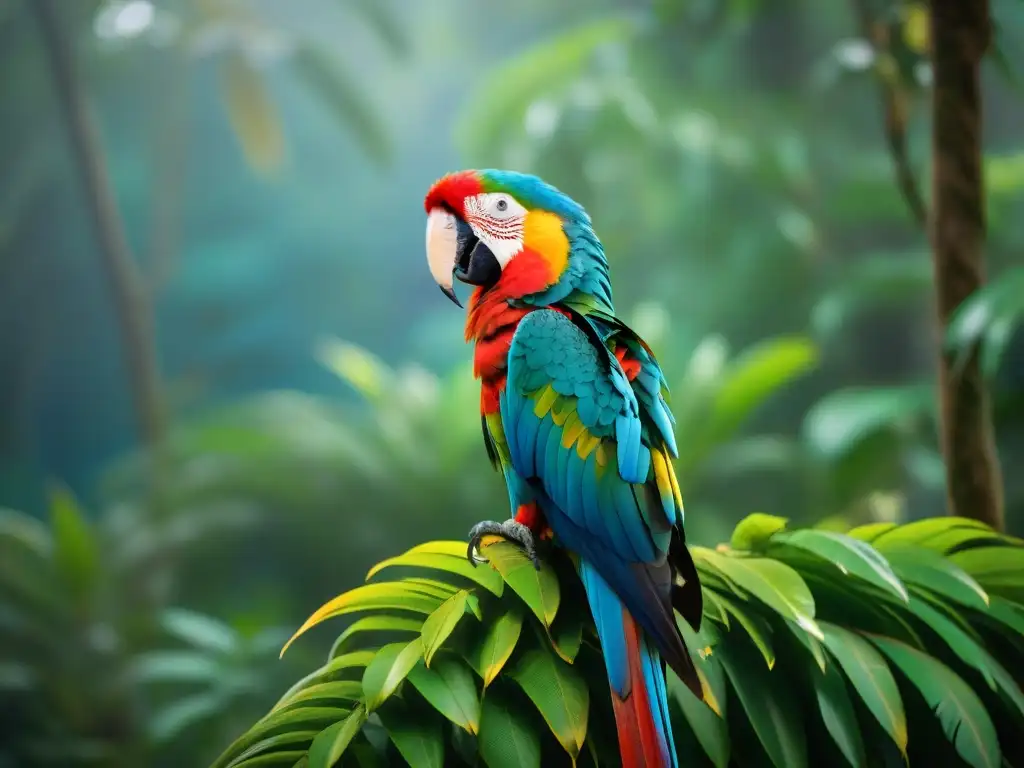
[127, 287]
[960, 34]
[894, 106]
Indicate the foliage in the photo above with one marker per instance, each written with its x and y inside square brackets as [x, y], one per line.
[883, 642]
[87, 642]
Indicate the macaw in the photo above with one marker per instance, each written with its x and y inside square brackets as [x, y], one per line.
[574, 414]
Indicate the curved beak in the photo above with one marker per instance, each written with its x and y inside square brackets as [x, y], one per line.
[443, 250]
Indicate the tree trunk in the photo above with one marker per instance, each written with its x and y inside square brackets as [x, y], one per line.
[960, 32]
[123, 277]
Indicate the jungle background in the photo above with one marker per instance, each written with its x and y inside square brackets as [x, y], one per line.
[228, 386]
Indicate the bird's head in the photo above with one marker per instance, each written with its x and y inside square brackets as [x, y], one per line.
[482, 225]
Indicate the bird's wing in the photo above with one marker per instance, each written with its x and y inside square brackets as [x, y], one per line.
[577, 432]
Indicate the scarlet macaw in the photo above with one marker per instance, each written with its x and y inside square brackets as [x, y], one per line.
[574, 414]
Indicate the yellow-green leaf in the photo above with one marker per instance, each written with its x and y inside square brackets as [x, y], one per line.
[427, 556]
[441, 623]
[380, 623]
[753, 532]
[252, 113]
[496, 643]
[538, 588]
[328, 747]
[390, 666]
[386, 595]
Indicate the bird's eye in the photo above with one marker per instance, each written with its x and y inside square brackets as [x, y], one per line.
[502, 204]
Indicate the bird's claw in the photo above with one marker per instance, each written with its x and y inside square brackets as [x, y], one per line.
[509, 530]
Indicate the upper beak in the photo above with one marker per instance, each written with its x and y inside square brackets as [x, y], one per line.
[442, 250]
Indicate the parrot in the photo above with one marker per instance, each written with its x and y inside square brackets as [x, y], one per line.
[574, 413]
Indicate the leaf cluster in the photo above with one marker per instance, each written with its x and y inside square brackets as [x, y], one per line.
[888, 642]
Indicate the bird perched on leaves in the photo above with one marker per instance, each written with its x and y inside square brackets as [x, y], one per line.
[574, 414]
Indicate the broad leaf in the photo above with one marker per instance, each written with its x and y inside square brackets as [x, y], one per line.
[538, 588]
[448, 685]
[961, 713]
[418, 737]
[507, 736]
[495, 644]
[838, 714]
[559, 693]
[848, 555]
[870, 676]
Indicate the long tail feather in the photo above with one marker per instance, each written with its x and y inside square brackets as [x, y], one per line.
[636, 676]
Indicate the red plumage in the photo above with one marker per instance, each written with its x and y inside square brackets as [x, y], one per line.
[634, 720]
[452, 190]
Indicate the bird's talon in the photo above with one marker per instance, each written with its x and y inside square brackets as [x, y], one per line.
[511, 530]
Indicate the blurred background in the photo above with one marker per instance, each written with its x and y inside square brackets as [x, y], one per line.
[228, 385]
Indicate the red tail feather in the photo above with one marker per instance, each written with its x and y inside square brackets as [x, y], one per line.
[639, 744]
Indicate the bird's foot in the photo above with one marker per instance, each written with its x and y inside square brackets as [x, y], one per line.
[510, 530]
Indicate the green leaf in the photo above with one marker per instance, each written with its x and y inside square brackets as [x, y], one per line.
[775, 584]
[329, 745]
[991, 566]
[838, 714]
[75, 549]
[251, 113]
[566, 634]
[417, 737]
[339, 92]
[507, 737]
[962, 645]
[284, 721]
[380, 623]
[840, 422]
[985, 317]
[273, 744]
[389, 668]
[962, 715]
[559, 693]
[754, 376]
[707, 725]
[386, 595]
[427, 556]
[341, 690]
[759, 631]
[204, 632]
[169, 723]
[871, 678]
[546, 70]
[774, 717]
[449, 687]
[869, 532]
[924, 568]
[753, 532]
[495, 644]
[924, 532]
[441, 623]
[849, 556]
[539, 589]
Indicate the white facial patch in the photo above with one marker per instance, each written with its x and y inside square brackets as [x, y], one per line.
[441, 245]
[497, 220]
